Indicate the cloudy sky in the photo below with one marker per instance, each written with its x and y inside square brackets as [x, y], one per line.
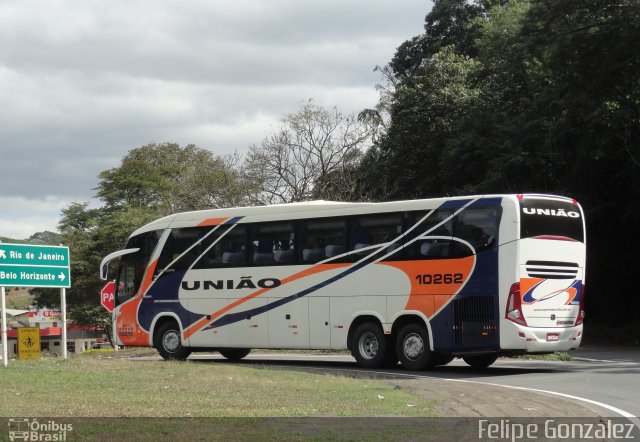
[84, 81]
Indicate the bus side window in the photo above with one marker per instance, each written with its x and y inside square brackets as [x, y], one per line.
[433, 249]
[273, 244]
[126, 287]
[436, 229]
[226, 247]
[373, 230]
[478, 227]
[182, 248]
[210, 254]
[321, 239]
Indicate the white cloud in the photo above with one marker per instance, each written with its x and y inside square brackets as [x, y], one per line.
[22, 217]
[85, 81]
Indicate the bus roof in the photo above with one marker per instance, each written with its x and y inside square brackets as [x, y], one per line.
[301, 210]
[279, 211]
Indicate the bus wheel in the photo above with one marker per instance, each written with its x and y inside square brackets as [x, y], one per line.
[235, 354]
[412, 347]
[480, 362]
[168, 342]
[369, 345]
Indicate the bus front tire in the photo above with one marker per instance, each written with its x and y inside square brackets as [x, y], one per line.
[168, 342]
[235, 354]
[480, 362]
[412, 347]
[369, 346]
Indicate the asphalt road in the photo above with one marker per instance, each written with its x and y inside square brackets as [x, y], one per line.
[607, 378]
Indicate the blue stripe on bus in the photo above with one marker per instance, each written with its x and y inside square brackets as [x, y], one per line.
[488, 202]
[240, 316]
[454, 204]
[174, 282]
[166, 288]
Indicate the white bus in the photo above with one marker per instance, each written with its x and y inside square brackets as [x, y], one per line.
[419, 282]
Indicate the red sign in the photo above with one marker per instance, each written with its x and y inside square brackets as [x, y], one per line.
[44, 315]
[107, 299]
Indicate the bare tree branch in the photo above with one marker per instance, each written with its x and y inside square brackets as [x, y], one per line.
[314, 145]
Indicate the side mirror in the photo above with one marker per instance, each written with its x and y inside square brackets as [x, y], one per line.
[104, 265]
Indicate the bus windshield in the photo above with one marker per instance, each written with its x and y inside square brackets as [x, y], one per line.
[133, 265]
[551, 218]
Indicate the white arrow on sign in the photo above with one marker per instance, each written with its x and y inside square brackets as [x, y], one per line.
[2, 254]
[61, 276]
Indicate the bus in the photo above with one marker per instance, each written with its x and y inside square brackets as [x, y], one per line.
[418, 282]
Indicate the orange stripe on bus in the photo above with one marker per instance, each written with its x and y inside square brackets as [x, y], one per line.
[212, 222]
[429, 295]
[307, 272]
[148, 277]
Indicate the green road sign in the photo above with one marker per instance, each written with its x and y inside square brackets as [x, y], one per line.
[27, 265]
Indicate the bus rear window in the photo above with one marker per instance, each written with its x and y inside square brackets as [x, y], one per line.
[550, 218]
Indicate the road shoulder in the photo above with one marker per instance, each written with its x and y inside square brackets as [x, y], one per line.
[466, 399]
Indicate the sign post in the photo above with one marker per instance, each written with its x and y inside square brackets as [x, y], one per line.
[28, 265]
[63, 308]
[5, 359]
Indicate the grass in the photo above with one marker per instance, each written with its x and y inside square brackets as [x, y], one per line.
[95, 385]
[127, 399]
[18, 298]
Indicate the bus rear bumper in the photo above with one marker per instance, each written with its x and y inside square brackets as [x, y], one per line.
[539, 339]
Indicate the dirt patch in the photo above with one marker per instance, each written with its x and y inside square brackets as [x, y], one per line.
[466, 399]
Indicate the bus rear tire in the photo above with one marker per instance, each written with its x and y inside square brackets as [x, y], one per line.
[369, 346]
[480, 362]
[235, 354]
[168, 341]
[412, 347]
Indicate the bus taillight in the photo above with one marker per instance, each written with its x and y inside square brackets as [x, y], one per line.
[580, 317]
[514, 306]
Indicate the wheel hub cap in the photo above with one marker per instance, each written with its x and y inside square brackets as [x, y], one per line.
[171, 341]
[368, 345]
[413, 346]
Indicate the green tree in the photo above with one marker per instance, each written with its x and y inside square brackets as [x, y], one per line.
[152, 181]
[405, 161]
[589, 50]
[449, 23]
[530, 97]
[94, 316]
[77, 229]
[168, 178]
[502, 133]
